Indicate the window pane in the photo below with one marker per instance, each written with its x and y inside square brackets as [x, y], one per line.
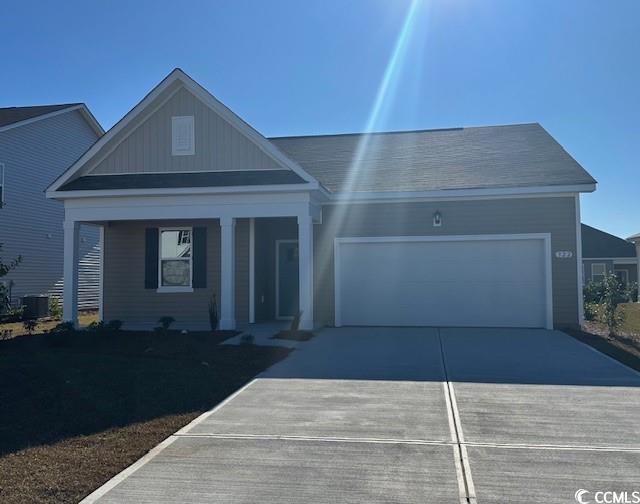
[175, 244]
[175, 273]
[598, 269]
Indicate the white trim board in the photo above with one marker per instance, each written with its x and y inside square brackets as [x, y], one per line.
[545, 237]
[208, 99]
[615, 260]
[579, 264]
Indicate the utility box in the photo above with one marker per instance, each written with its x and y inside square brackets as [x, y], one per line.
[35, 307]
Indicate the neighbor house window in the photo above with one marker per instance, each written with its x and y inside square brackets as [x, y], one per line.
[175, 258]
[598, 272]
[182, 136]
[623, 276]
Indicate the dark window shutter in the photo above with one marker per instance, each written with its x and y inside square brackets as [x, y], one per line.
[199, 278]
[151, 258]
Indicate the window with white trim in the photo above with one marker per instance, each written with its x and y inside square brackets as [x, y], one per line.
[182, 136]
[623, 276]
[598, 272]
[175, 258]
[2, 189]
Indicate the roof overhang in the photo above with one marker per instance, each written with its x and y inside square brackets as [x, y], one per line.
[82, 108]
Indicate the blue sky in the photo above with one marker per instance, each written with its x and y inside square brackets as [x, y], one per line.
[305, 67]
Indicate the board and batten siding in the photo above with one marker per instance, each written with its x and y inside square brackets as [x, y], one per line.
[125, 297]
[31, 225]
[219, 146]
[554, 215]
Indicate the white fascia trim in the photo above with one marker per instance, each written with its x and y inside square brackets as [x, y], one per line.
[82, 108]
[170, 191]
[459, 193]
[121, 124]
[545, 237]
[209, 100]
[245, 128]
[579, 264]
[616, 260]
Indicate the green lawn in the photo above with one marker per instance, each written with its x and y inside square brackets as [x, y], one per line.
[75, 415]
[631, 322]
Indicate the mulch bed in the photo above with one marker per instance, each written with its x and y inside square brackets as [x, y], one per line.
[77, 413]
[624, 348]
[294, 335]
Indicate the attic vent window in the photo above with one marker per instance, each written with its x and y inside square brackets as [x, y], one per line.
[182, 136]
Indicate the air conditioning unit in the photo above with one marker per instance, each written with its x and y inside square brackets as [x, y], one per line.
[1, 185]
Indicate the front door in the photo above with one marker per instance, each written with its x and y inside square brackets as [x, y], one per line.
[286, 278]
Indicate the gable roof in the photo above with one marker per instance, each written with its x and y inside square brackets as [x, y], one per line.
[177, 75]
[511, 156]
[634, 238]
[597, 243]
[11, 117]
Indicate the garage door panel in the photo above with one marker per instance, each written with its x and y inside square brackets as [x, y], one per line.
[442, 283]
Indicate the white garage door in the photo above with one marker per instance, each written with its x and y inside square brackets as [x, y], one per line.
[492, 281]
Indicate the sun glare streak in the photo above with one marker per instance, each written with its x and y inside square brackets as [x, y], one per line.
[383, 96]
[383, 100]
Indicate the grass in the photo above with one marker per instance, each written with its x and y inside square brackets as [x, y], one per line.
[78, 410]
[17, 328]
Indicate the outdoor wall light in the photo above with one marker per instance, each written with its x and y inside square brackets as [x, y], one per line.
[437, 219]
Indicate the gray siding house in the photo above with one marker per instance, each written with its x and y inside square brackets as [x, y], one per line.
[36, 144]
[452, 227]
[604, 253]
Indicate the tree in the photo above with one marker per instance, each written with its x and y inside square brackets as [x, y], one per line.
[5, 268]
[614, 293]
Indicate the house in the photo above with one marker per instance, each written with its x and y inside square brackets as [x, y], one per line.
[635, 239]
[36, 144]
[604, 253]
[452, 227]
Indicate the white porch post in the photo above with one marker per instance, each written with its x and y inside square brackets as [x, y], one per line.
[227, 273]
[305, 261]
[70, 271]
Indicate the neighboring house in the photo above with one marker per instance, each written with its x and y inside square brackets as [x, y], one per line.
[635, 239]
[452, 227]
[604, 253]
[36, 144]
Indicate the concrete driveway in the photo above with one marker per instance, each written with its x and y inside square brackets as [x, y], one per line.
[381, 415]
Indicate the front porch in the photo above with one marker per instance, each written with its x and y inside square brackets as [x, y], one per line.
[160, 260]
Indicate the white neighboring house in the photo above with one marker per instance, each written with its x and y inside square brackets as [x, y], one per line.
[36, 144]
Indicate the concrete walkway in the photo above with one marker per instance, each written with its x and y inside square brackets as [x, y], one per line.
[382, 415]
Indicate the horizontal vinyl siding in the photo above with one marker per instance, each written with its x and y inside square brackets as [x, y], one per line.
[125, 297]
[555, 215]
[31, 225]
[218, 145]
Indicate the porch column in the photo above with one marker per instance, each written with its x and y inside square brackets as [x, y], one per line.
[305, 261]
[227, 273]
[70, 271]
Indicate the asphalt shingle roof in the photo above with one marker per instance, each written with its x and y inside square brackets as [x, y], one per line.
[596, 243]
[168, 180]
[460, 158]
[11, 115]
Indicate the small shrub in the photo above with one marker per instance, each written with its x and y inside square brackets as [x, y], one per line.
[594, 292]
[55, 310]
[61, 335]
[165, 322]
[213, 313]
[96, 327]
[591, 311]
[30, 326]
[114, 325]
[632, 292]
[295, 323]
